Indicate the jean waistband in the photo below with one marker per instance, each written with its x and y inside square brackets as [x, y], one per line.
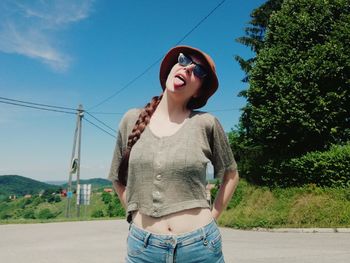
[164, 240]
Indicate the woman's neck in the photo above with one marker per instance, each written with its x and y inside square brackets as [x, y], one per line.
[172, 110]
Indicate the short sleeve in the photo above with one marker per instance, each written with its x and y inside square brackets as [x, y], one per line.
[222, 157]
[117, 157]
[125, 126]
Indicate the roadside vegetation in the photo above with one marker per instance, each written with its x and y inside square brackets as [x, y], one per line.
[251, 207]
[51, 207]
[295, 207]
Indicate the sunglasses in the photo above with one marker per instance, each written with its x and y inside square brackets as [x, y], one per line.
[198, 70]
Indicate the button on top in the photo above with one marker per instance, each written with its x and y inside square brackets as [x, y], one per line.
[155, 212]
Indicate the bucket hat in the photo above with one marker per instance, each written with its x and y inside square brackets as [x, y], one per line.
[210, 82]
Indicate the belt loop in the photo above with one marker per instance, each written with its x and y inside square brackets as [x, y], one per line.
[145, 241]
[203, 233]
[204, 236]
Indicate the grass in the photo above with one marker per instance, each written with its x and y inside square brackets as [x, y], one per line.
[251, 206]
[307, 206]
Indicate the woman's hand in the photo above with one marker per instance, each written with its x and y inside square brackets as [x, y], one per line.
[224, 195]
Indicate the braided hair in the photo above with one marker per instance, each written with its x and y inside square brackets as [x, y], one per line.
[136, 132]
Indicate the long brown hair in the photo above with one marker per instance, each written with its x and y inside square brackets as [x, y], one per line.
[139, 127]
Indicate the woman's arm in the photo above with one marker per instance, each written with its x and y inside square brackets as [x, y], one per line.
[120, 190]
[224, 195]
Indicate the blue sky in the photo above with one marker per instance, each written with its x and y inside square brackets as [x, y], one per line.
[68, 53]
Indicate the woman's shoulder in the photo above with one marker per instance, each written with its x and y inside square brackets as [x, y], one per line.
[132, 113]
[204, 118]
[130, 117]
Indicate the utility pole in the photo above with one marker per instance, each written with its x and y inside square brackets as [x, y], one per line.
[81, 115]
[75, 162]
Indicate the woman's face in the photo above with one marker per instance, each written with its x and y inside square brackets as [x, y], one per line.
[182, 82]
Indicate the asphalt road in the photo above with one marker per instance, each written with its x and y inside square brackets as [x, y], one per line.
[105, 241]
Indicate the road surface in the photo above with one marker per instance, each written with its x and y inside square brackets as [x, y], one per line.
[105, 241]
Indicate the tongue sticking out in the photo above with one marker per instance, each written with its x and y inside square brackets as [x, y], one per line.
[178, 82]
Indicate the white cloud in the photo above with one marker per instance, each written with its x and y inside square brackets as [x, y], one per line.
[56, 13]
[34, 44]
[30, 29]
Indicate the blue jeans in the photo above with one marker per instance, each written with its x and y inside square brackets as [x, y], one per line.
[201, 245]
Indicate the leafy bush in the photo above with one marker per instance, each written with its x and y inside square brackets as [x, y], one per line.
[3, 198]
[214, 191]
[115, 207]
[54, 199]
[106, 197]
[45, 214]
[5, 215]
[329, 168]
[238, 195]
[24, 202]
[37, 200]
[57, 199]
[28, 214]
[97, 213]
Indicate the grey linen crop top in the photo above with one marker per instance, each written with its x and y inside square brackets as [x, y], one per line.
[168, 174]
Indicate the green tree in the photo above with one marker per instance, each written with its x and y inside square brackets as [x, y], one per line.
[298, 94]
[115, 208]
[106, 198]
[255, 33]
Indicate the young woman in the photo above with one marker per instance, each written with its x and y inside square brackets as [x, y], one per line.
[159, 166]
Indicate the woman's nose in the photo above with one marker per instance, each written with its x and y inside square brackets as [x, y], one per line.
[189, 68]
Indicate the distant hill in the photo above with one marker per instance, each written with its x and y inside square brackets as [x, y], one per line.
[20, 185]
[55, 182]
[95, 183]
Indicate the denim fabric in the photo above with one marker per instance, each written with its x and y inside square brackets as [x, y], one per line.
[201, 245]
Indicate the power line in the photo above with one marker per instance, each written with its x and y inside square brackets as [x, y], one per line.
[200, 22]
[233, 109]
[121, 113]
[89, 113]
[38, 104]
[53, 110]
[159, 59]
[101, 122]
[114, 113]
[128, 84]
[34, 107]
[98, 127]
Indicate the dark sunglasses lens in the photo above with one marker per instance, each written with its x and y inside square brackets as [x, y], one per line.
[199, 71]
[183, 60]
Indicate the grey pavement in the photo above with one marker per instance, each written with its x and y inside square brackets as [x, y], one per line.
[105, 241]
